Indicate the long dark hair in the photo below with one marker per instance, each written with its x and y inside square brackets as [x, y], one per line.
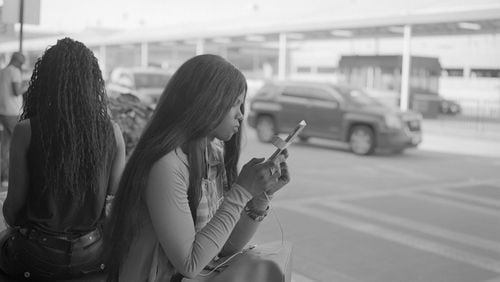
[194, 102]
[66, 95]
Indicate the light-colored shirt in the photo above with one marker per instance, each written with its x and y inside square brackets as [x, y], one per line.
[168, 241]
[10, 104]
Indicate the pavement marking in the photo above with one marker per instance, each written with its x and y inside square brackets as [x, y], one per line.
[464, 196]
[403, 171]
[401, 238]
[417, 226]
[450, 202]
[383, 193]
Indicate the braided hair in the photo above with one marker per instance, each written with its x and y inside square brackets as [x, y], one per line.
[66, 95]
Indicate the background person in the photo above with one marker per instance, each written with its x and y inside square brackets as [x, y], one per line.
[10, 107]
[181, 201]
[66, 156]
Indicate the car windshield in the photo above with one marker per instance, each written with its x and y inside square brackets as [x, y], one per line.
[358, 97]
[151, 80]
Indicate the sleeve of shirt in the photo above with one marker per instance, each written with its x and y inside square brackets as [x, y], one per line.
[166, 198]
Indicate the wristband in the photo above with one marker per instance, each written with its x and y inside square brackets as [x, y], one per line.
[256, 215]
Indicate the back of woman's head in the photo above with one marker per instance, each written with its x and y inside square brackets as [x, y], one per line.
[66, 96]
[194, 102]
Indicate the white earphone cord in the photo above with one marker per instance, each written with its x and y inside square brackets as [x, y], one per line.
[271, 210]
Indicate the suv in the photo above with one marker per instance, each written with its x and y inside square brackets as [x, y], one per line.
[333, 112]
[145, 83]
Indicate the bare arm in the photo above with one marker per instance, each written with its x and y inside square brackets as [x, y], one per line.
[16, 88]
[16, 81]
[18, 174]
[118, 162]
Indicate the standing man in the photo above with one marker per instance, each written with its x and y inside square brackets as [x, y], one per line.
[11, 102]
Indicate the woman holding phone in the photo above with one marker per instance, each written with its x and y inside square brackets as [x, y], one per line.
[182, 201]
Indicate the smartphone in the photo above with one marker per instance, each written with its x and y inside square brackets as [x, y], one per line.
[289, 139]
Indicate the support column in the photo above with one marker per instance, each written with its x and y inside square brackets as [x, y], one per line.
[144, 54]
[405, 69]
[282, 63]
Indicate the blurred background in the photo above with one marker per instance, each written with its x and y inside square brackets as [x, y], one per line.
[426, 209]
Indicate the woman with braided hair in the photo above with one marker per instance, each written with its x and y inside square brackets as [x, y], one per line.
[66, 157]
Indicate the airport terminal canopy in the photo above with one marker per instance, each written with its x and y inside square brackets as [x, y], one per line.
[389, 61]
[308, 20]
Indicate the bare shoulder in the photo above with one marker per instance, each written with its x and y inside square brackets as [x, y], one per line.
[118, 135]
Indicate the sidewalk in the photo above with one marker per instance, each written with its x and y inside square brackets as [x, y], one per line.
[475, 128]
[459, 136]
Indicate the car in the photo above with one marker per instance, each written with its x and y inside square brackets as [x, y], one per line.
[450, 107]
[336, 112]
[145, 83]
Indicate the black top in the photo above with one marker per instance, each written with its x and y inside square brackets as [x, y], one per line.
[61, 216]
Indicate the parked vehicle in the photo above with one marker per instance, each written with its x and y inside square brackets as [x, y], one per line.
[333, 112]
[450, 107]
[145, 83]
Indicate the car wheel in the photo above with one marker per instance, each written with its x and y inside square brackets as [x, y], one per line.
[266, 129]
[362, 140]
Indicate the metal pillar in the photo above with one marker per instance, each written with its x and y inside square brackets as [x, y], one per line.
[405, 69]
[21, 23]
[144, 54]
[282, 73]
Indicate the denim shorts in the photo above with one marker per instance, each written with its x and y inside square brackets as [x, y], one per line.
[30, 254]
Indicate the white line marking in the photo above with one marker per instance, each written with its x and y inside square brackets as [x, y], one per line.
[462, 205]
[404, 171]
[466, 196]
[401, 238]
[418, 226]
[383, 193]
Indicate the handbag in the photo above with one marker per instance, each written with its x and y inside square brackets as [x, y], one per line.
[268, 262]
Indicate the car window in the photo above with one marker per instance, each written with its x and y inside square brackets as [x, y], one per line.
[358, 97]
[322, 95]
[266, 91]
[151, 80]
[298, 92]
[125, 79]
[308, 92]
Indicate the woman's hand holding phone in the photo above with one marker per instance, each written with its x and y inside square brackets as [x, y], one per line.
[258, 176]
[284, 175]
